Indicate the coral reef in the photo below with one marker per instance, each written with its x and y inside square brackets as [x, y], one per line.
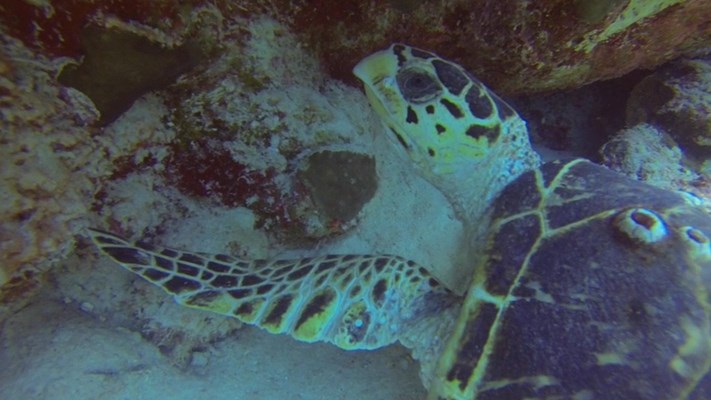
[44, 141]
[515, 47]
[648, 154]
[207, 170]
[62, 22]
[668, 143]
[51, 163]
[233, 134]
[677, 98]
[245, 125]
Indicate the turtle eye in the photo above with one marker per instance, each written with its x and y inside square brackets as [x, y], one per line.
[418, 87]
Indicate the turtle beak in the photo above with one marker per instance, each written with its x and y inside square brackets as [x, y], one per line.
[375, 67]
[377, 72]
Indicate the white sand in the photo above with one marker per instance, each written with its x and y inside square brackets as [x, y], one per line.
[52, 351]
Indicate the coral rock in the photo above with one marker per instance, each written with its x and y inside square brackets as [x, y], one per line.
[646, 153]
[677, 98]
[514, 46]
[339, 184]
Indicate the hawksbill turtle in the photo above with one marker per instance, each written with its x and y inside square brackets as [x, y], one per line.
[584, 284]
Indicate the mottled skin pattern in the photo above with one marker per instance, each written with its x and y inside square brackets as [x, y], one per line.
[585, 284]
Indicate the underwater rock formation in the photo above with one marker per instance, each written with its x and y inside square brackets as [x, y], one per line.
[120, 66]
[62, 22]
[339, 183]
[648, 154]
[677, 98]
[576, 122]
[50, 163]
[515, 47]
[230, 135]
[668, 143]
[207, 170]
[247, 124]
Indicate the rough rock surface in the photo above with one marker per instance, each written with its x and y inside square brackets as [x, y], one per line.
[226, 136]
[515, 47]
[648, 154]
[339, 183]
[48, 164]
[677, 98]
[669, 142]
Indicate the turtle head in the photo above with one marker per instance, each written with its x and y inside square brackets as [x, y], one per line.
[460, 135]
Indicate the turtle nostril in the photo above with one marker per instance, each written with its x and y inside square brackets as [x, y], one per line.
[699, 245]
[696, 235]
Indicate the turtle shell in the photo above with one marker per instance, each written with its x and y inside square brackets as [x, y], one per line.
[594, 286]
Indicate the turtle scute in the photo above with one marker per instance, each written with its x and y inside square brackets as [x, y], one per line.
[594, 286]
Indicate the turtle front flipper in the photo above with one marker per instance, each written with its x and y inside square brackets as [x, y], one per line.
[352, 301]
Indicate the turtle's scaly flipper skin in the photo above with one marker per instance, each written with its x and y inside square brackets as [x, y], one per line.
[354, 302]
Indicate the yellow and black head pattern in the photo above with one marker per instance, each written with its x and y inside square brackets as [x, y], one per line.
[440, 114]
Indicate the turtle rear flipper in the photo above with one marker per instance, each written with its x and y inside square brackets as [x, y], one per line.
[352, 301]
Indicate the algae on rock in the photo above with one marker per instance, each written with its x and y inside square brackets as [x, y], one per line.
[339, 183]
